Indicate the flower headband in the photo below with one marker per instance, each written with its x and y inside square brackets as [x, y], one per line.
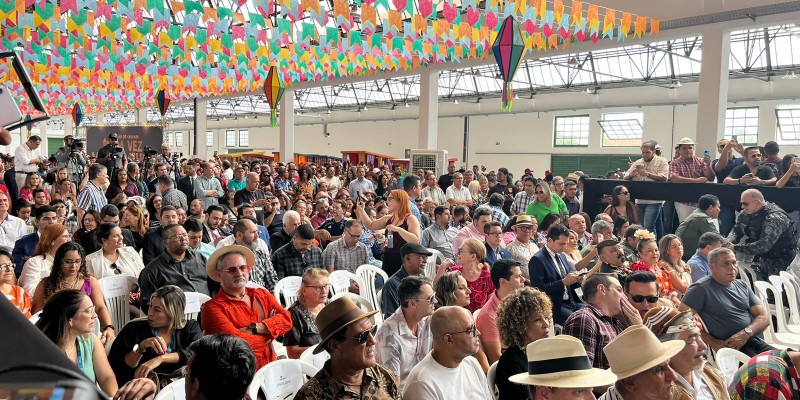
[644, 234]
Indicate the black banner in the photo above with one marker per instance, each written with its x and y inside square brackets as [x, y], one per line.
[729, 195]
[132, 138]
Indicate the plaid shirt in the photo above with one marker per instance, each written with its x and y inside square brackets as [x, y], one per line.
[339, 256]
[521, 202]
[595, 330]
[499, 215]
[693, 167]
[287, 261]
[769, 375]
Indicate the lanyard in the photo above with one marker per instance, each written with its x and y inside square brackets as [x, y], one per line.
[79, 358]
[171, 340]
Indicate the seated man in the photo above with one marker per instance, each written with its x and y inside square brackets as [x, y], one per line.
[335, 224]
[480, 217]
[550, 273]
[404, 338]
[414, 258]
[440, 235]
[298, 255]
[245, 233]
[732, 314]
[493, 232]
[641, 364]
[450, 371]
[249, 313]
[347, 252]
[507, 278]
[209, 373]
[291, 220]
[699, 260]
[696, 377]
[641, 287]
[606, 314]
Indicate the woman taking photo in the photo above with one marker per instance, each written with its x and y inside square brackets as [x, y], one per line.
[621, 204]
[470, 258]
[133, 218]
[69, 272]
[158, 344]
[113, 258]
[545, 203]
[523, 317]
[791, 178]
[671, 249]
[120, 184]
[311, 298]
[68, 320]
[32, 181]
[401, 228]
[39, 266]
[18, 297]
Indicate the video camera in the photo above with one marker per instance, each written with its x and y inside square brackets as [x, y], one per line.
[77, 145]
[149, 152]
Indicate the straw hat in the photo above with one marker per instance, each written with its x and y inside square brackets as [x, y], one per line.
[659, 320]
[561, 362]
[637, 349]
[211, 265]
[337, 315]
[523, 220]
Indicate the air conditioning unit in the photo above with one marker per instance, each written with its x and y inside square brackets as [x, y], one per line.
[429, 160]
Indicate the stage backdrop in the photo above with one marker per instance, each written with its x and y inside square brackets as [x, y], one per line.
[132, 138]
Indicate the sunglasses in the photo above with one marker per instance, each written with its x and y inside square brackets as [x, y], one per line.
[639, 299]
[364, 336]
[116, 269]
[232, 270]
[538, 192]
[472, 330]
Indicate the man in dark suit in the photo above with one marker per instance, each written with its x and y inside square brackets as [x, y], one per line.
[26, 245]
[550, 273]
[153, 243]
[186, 184]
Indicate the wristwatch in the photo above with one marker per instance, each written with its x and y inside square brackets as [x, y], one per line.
[253, 328]
[748, 331]
[136, 349]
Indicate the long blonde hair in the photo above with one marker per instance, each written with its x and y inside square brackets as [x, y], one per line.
[474, 188]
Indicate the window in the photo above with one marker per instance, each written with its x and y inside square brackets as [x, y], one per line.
[788, 124]
[209, 138]
[622, 129]
[742, 122]
[572, 131]
[178, 139]
[230, 138]
[244, 138]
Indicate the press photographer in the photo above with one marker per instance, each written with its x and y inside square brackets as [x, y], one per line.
[112, 156]
[171, 159]
[72, 156]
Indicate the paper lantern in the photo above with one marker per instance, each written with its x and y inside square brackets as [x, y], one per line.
[273, 89]
[162, 101]
[77, 116]
[509, 50]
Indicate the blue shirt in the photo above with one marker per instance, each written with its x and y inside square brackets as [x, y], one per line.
[699, 265]
[414, 212]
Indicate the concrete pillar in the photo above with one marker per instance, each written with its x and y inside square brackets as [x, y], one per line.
[428, 110]
[286, 123]
[69, 126]
[41, 130]
[200, 127]
[712, 99]
[140, 115]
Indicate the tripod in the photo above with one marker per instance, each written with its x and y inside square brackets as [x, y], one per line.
[74, 167]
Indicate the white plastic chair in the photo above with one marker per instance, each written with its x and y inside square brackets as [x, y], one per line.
[774, 336]
[340, 281]
[786, 287]
[792, 289]
[116, 292]
[728, 361]
[362, 303]
[367, 273]
[254, 285]
[174, 391]
[287, 287]
[430, 266]
[35, 317]
[491, 376]
[317, 360]
[194, 301]
[281, 379]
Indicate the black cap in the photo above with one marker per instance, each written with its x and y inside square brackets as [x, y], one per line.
[414, 248]
[113, 135]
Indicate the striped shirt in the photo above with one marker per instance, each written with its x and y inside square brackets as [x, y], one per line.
[92, 197]
[521, 202]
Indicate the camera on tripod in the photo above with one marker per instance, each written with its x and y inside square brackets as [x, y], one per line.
[176, 156]
[149, 152]
[115, 152]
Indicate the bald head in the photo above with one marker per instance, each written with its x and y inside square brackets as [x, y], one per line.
[448, 319]
[753, 194]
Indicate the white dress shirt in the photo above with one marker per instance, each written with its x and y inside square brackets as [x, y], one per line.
[11, 229]
[23, 156]
[34, 270]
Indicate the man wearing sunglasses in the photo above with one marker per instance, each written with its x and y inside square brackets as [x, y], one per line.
[404, 338]
[641, 288]
[450, 371]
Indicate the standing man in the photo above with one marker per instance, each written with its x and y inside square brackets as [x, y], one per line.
[652, 168]
[571, 197]
[700, 221]
[447, 179]
[207, 188]
[27, 157]
[171, 196]
[72, 157]
[237, 181]
[507, 278]
[252, 314]
[251, 194]
[723, 166]
[186, 183]
[332, 181]
[688, 169]
[352, 372]
[525, 197]
[93, 196]
[752, 172]
[411, 186]
[450, 371]
[495, 205]
[360, 184]
[112, 155]
[550, 273]
[506, 188]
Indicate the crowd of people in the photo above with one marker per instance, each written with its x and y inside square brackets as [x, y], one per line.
[520, 262]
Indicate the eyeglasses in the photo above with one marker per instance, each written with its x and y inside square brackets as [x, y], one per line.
[495, 233]
[650, 299]
[232, 270]
[524, 228]
[538, 192]
[625, 193]
[116, 269]
[6, 267]
[431, 299]
[364, 336]
[72, 262]
[320, 288]
[472, 330]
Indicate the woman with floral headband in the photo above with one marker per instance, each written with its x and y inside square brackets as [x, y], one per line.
[648, 251]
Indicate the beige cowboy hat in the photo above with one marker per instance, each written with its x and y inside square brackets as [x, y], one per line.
[637, 349]
[211, 265]
[523, 220]
[561, 362]
[337, 315]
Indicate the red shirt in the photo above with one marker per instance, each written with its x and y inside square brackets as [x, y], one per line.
[224, 314]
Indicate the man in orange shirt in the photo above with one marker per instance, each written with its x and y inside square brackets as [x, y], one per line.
[249, 313]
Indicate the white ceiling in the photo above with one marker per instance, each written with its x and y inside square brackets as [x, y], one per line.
[674, 9]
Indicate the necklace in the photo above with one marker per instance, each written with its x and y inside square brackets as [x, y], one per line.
[237, 297]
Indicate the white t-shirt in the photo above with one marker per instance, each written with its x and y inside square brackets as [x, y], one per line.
[430, 380]
[458, 194]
